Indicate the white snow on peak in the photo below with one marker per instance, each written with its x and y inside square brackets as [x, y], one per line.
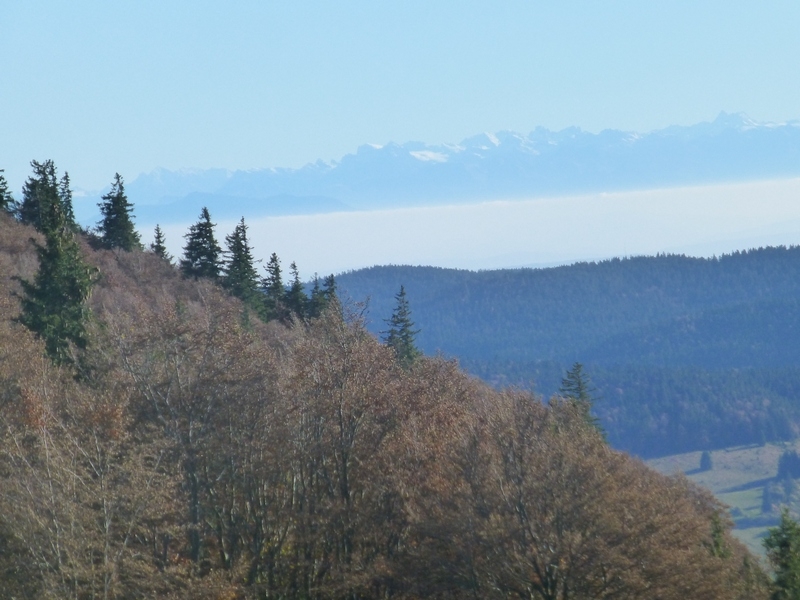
[493, 138]
[429, 155]
[376, 146]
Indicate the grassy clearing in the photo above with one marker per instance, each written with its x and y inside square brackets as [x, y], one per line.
[737, 477]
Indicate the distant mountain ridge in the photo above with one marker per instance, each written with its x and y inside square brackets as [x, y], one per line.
[504, 165]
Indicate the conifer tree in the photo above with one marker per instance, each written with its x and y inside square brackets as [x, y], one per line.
[240, 277]
[577, 387]
[7, 202]
[201, 254]
[42, 190]
[116, 229]
[315, 300]
[329, 288]
[401, 334]
[274, 292]
[296, 299]
[54, 304]
[706, 462]
[783, 551]
[321, 296]
[158, 246]
[65, 197]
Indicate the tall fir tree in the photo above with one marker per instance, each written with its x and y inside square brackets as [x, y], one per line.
[65, 197]
[316, 299]
[7, 202]
[159, 247]
[42, 190]
[54, 303]
[577, 387]
[116, 228]
[401, 334]
[274, 292]
[322, 296]
[296, 299]
[783, 552]
[239, 276]
[201, 254]
[329, 291]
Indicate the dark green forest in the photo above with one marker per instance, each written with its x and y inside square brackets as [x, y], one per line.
[685, 353]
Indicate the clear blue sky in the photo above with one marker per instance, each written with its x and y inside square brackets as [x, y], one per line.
[129, 86]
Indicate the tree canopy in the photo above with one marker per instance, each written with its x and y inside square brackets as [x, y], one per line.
[201, 457]
[783, 551]
[202, 253]
[401, 333]
[116, 228]
[239, 276]
[7, 202]
[158, 245]
[54, 303]
[41, 191]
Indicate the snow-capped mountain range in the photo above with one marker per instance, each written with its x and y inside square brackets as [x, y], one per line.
[503, 165]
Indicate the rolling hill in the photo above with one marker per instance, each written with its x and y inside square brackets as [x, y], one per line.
[686, 353]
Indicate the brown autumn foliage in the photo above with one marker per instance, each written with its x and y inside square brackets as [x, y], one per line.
[199, 453]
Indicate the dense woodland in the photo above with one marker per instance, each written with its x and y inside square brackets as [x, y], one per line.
[686, 353]
[161, 438]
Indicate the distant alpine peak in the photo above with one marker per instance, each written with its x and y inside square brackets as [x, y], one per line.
[741, 122]
[504, 164]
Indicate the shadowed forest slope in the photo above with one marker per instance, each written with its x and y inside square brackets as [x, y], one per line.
[686, 353]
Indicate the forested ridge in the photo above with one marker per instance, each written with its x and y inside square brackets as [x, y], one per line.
[173, 442]
[686, 353]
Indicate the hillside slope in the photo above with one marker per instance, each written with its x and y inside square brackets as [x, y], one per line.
[194, 452]
[687, 353]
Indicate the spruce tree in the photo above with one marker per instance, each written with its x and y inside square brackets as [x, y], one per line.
[329, 296]
[322, 296]
[7, 202]
[274, 292]
[65, 198]
[201, 254]
[401, 334]
[296, 299]
[577, 387]
[54, 304]
[783, 552]
[240, 277]
[316, 301]
[158, 246]
[706, 462]
[40, 192]
[116, 229]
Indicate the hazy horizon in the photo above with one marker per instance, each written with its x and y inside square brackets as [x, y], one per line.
[694, 220]
[104, 87]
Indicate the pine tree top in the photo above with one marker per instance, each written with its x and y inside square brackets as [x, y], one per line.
[158, 246]
[41, 190]
[239, 273]
[201, 254]
[116, 227]
[401, 335]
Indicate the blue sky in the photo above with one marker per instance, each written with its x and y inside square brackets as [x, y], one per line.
[130, 86]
